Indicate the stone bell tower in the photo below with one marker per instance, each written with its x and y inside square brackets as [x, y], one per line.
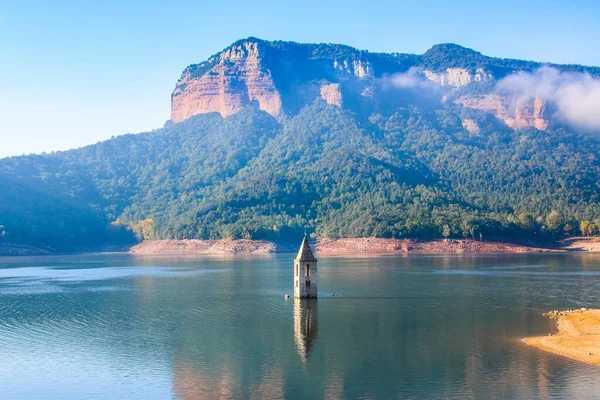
[305, 272]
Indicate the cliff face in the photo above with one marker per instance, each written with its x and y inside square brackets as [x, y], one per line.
[516, 114]
[332, 94]
[244, 75]
[457, 77]
[282, 77]
[236, 80]
[532, 113]
[358, 68]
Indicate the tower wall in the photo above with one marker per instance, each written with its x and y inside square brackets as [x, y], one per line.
[305, 283]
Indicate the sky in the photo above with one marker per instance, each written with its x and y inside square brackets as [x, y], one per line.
[74, 73]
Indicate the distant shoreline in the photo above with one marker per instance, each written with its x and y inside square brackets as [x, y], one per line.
[323, 246]
[354, 246]
[16, 250]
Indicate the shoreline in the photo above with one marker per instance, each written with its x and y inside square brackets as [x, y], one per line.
[581, 243]
[322, 246]
[208, 247]
[578, 336]
[407, 246]
[17, 250]
[325, 246]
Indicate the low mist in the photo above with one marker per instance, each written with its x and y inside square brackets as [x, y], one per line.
[575, 96]
[412, 79]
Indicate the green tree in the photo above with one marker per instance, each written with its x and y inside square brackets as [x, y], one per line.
[527, 221]
[554, 221]
[592, 229]
[568, 229]
[584, 227]
[466, 227]
[446, 231]
[145, 229]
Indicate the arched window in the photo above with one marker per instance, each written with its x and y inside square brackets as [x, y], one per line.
[307, 269]
[297, 269]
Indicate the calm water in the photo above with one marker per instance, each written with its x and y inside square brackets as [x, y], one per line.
[132, 327]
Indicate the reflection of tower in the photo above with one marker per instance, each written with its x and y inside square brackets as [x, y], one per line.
[306, 321]
[305, 272]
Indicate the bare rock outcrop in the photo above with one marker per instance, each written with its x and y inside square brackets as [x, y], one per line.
[531, 113]
[356, 68]
[471, 126]
[235, 80]
[332, 94]
[457, 77]
[492, 103]
[520, 114]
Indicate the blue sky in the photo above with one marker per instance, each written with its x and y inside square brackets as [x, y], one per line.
[76, 72]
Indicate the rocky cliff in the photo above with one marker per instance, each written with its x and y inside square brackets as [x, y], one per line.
[332, 94]
[235, 79]
[282, 77]
[516, 113]
[457, 77]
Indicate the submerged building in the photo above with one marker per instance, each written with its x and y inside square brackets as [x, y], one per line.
[305, 272]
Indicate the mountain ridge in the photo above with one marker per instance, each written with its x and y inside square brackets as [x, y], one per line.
[282, 77]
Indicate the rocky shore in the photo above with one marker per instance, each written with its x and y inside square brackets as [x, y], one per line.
[329, 247]
[578, 335]
[13, 250]
[214, 247]
[396, 246]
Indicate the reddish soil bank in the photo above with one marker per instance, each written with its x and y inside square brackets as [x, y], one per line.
[204, 247]
[329, 247]
[394, 246]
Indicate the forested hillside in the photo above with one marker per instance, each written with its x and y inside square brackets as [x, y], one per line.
[403, 164]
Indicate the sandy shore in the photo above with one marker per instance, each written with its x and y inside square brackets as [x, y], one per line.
[581, 244]
[578, 336]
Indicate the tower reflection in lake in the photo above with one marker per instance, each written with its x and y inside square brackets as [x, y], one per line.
[306, 322]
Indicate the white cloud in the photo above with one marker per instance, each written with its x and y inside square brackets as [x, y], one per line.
[576, 96]
[412, 79]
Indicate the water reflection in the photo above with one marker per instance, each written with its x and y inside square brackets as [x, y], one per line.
[306, 322]
[190, 383]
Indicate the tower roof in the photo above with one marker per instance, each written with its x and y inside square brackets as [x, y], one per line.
[305, 253]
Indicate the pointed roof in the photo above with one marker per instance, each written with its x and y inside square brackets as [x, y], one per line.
[305, 253]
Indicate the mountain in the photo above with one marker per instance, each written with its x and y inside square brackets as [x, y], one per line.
[269, 139]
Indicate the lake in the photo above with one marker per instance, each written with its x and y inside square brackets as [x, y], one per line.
[117, 326]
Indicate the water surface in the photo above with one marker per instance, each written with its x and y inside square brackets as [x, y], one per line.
[161, 327]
